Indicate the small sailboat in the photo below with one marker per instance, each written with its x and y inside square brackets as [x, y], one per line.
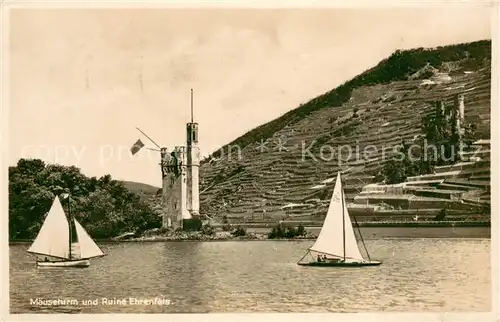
[62, 242]
[336, 244]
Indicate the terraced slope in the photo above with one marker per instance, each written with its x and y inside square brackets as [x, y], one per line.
[460, 192]
[293, 167]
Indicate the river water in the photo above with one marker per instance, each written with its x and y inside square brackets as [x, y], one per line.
[426, 274]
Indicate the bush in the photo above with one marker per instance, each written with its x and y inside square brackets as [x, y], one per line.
[332, 119]
[379, 177]
[426, 74]
[207, 230]
[163, 230]
[355, 112]
[301, 231]
[394, 172]
[225, 224]
[239, 231]
[290, 232]
[441, 215]
[276, 232]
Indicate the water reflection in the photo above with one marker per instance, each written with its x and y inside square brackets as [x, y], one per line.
[181, 276]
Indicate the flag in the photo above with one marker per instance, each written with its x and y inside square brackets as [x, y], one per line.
[136, 147]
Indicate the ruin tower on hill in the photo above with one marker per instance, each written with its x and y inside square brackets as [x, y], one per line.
[460, 112]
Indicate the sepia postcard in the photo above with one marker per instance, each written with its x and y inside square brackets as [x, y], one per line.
[331, 158]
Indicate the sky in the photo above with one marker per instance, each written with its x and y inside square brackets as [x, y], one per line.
[81, 81]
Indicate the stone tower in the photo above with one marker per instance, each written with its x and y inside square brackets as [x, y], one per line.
[174, 187]
[180, 184]
[460, 111]
[193, 162]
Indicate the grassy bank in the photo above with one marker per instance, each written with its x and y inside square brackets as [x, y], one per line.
[427, 223]
[370, 230]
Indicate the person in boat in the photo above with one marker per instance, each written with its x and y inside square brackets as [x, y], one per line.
[319, 259]
[324, 258]
[46, 259]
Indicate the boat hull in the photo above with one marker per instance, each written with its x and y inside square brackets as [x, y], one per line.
[342, 264]
[81, 263]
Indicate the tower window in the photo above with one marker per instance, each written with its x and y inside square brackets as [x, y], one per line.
[192, 132]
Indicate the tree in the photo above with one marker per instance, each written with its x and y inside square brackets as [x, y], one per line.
[103, 206]
[441, 132]
[394, 172]
[401, 166]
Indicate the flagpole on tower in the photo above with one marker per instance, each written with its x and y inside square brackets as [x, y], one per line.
[139, 144]
[192, 118]
[138, 129]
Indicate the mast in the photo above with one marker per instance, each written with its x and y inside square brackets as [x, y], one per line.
[343, 216]
[361, 237]
[69, 226]
[337, 236]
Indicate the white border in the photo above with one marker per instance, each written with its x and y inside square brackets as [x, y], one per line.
[495, 180]
[493, 316]
[4, 186]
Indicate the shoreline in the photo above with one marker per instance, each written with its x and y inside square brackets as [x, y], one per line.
[392, 224]
[372, 231]
[165, 240]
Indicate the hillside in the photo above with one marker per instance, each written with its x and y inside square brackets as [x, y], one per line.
[144, 190]
[380, 107]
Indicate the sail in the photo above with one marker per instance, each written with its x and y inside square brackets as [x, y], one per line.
[88, 248]
[53, 237]
[330, 240]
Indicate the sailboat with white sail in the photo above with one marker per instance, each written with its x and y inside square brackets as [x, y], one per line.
[63, 242]
[336, 244]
